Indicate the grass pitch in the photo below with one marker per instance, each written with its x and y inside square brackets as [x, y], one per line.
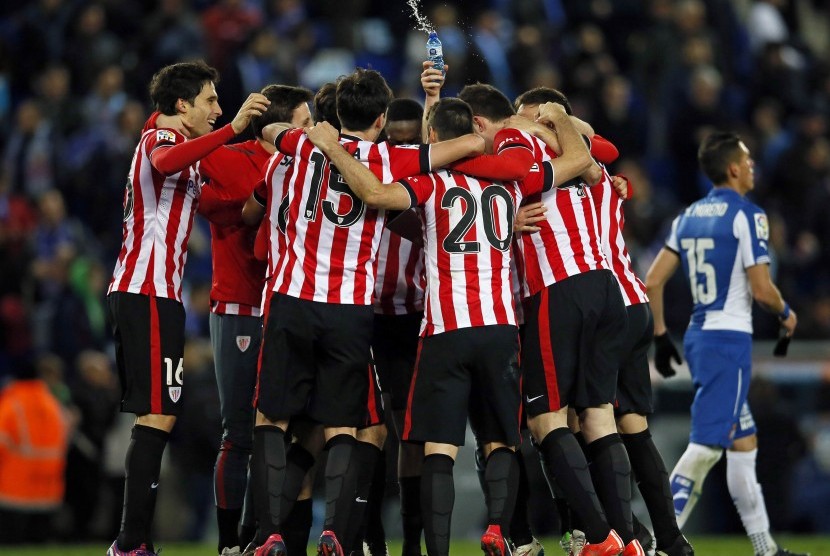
[704, 546]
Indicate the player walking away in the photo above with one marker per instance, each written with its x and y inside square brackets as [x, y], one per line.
[634, 394]
[319, 318]
[144, 297]
[568, 360]
[721, 242]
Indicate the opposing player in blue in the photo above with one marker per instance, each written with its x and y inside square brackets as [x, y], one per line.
[722, 243]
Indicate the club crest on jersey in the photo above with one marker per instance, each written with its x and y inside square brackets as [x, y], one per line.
[166, 136]
[243, 343]
[175, 392]
[761, 226]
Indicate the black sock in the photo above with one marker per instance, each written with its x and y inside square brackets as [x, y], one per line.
[653, 480]
[228, 522]
[365, 458]
[437, 500]
[298, 461]
[268, 475]
[296, 527]
[375, 533]
[341, 484]
[501, 475]
[143, 465]
[411, 521]
[247, 527]
[566, 464]
[520, 532]
[563, 510]
[611, 471]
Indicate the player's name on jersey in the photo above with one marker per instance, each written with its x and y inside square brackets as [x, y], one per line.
[706, 210]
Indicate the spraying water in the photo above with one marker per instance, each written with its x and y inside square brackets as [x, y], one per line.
[420, 19]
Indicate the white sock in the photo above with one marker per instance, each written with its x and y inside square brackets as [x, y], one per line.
[749, 500]
[688, 476]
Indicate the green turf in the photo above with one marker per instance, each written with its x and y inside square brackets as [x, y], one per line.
[704, 546]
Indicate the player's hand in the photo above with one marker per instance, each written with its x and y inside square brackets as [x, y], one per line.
[323, 135]
[790, 323]
[527, 216]
[254, 105]
[551, 112]
[664, 352]
[172, 122]
[620, 183]
[432, 79]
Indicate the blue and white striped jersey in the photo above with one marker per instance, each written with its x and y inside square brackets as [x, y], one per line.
[717, 239]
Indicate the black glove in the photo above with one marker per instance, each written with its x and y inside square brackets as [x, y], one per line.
[664, 352]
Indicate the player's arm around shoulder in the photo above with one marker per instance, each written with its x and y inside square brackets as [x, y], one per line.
[361, 180]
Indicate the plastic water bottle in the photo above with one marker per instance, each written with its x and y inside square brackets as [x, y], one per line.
[435, 53]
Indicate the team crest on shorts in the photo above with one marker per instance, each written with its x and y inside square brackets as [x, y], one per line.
[175, 393]
[243, 342]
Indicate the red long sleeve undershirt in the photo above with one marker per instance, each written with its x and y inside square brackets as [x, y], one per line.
[603, 150]
[512, 164]
[170, 160]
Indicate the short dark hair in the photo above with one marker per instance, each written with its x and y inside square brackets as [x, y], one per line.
[541, 95]
[362, 96]
[284, 100]
[717, 151]
[451, 118]
[183, 80]
[403, 110]
[325, 105]
[487, 101]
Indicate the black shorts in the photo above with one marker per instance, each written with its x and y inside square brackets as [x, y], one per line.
[573, 344]
[375, 413]
[314, 361]
[634, 381]
[394, 347]
[149, 352]
[475, 368]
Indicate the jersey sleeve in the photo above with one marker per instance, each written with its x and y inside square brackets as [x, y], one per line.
[170, 152]
[287, 141]
[408, 160]
[603, 150]
[751, 228]
[260, 193]
[672, 243]
[419, 188]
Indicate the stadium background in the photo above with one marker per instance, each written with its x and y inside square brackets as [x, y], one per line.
[654, 76]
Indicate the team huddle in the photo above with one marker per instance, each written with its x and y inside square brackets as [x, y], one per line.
[385, 265]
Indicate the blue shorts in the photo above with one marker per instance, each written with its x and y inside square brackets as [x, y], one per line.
[721, 365]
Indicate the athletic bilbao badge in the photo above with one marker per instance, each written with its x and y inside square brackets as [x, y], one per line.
[243, 342]
[175, 393]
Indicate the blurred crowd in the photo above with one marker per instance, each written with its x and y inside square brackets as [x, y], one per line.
[653, 76]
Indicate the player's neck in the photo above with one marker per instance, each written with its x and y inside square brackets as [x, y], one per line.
[367, 135]
[733, 187]
[269, 147]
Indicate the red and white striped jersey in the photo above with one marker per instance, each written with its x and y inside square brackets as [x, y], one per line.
[158, 217]
[611, 219]
[230, 173]
[331, 236]
[272, 193]
[468, 231]
[400, 279]
[568, 242]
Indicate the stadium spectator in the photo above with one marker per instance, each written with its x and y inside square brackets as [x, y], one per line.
[34, 430]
